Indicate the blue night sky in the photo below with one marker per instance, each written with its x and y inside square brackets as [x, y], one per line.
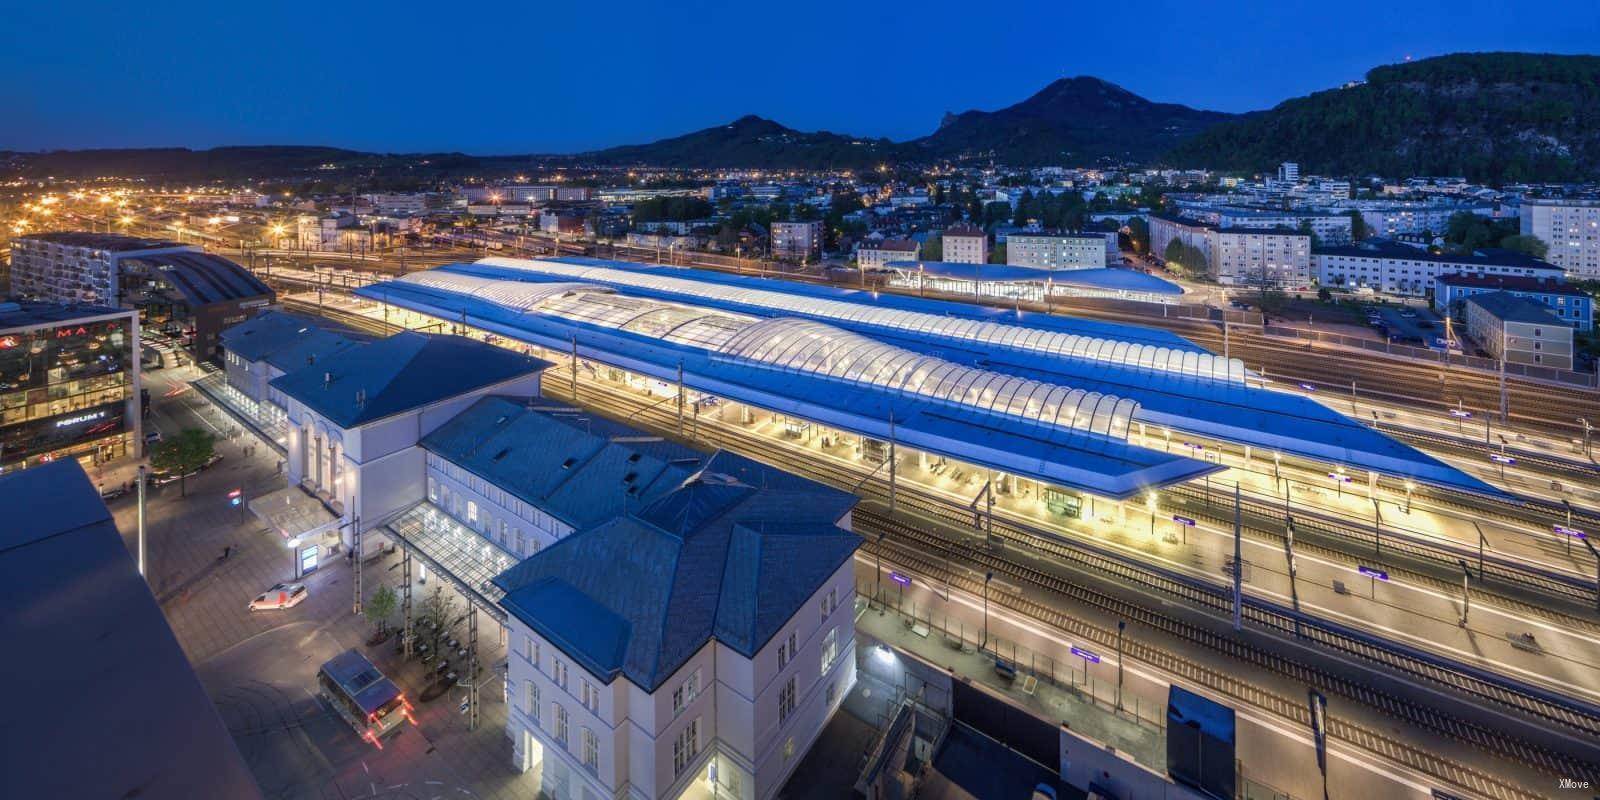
[565, 76]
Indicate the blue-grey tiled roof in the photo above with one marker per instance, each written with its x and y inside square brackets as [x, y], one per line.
[405, 371]
[288, 341]
[561, 460]
[730, 554]
[1508, 307]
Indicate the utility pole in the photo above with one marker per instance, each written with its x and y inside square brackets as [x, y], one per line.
[1319, 733]
[1121, 626]
[472, 667]
[1294, 588]
[574, 368]
[1466, 595]
[1238, 564]
[1377, 528]
[987, 576]
[406, 635]
[680, 396]
[142, 482]
[355, 560]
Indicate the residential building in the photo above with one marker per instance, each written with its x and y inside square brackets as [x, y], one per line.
[879, 254]
[709, 674]
[1239, 256]
[1518, 330]
[100, 670]
[1384, 266]
[965, 243]
[1087, 250]
[1289, 172]
[1569, 304]
[339, 233]
[415, 203]
[71, 384]
[1391, 218]
[798, 241]
[1571, 229]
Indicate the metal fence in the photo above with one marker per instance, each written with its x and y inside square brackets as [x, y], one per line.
[1427, 354]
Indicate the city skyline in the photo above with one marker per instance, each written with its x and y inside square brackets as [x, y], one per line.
[338, 78]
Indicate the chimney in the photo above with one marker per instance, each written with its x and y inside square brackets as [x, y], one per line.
[327, 379]
[361, 397]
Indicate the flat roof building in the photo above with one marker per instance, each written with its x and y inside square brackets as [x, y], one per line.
[103, 676]
[1569, 304]
[1088, 250]
[1384, 266]
[179, 289]
[964, 243]
[1571, 230]
[69, 384]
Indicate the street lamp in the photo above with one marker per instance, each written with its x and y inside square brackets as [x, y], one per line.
[1150, 505]
[1121, 626]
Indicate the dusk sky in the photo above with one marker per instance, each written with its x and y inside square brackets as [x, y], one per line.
[561, 77]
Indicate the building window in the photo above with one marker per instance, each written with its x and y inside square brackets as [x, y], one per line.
[786, 699]
[833, 693]
[685, 694]
[472, 512]
[830, 649]
[591, 751]
[530, 651]
[685, 747]
[786, 651]
[558, 672]
[830, 601]
[531, 690]
[589, 695]
[559, 715]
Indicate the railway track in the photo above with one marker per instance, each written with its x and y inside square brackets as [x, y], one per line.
[1488, 689]
[916, 558]
[1549, 709]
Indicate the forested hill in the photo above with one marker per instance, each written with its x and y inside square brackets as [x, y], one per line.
[1492, 117]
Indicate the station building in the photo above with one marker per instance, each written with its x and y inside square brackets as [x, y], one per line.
[1047, 411]
[679, 622]
[69, 384]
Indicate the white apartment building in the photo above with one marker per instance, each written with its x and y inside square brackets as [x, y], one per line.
[79, 267]
[1088, 250]
[415, 203]
[1246, 256]
[1391, 268]
[878, 255]
[1289, 172]
[1571, 228]
[710, 673]
[964, 243]
[1239, 256]
[1390, 218]
[801, 241]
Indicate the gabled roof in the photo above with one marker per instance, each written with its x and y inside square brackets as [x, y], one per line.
[405, 371]
[579, 468]
[102, 670]
[731, 554]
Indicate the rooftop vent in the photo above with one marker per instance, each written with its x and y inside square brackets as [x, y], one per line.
[327, 379]
[568, 463]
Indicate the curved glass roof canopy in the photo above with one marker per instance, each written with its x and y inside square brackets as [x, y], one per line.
[803, 346]
[979, 332]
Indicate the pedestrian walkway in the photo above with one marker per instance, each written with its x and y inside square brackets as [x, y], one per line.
[268, 427]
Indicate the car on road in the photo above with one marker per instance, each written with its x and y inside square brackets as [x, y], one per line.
[152, 436]
[281, 596]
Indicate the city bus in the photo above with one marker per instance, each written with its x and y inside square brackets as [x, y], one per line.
[371, 703]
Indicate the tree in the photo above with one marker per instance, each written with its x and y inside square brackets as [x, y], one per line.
[1324, 295]
[381, 606]
[1532, 245]
[435, 614]
[1139, 235]
[1174, 254]
[933, 249]
[998, 254]
[183, 454]
[1358, 226]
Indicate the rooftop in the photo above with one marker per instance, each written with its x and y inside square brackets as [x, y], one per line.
[288, 341]
[405, 371]
[102, 670]
[29, 313]
[964, 229]
[203, 278]
[581, 468]
[731, 553]
[1106, 278]
[1390, 249]
[110, 242]
[1508, 307]
[1512, 283]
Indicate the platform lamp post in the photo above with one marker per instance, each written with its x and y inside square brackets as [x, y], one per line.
[1466, 595]
[1319, 733]
[987, 576]
[1122, 625]
[1586, 429]
[141, 479]
[877, 592]
[1596, 554]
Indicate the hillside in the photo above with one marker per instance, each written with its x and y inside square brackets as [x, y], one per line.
[751, 141]
[1073, 121]
[1494, 117]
